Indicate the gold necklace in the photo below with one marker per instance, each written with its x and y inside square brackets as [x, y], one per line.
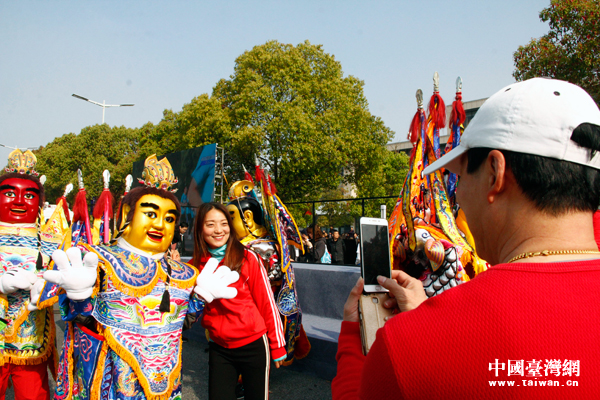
[551, 253]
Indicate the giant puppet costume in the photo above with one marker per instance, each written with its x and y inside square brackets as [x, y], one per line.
[263, 224]
[431, 240]
[28, 347]
[124, 319]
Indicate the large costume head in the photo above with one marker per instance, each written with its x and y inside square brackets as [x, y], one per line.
[150, 213]
[247, 217]
[21, 192]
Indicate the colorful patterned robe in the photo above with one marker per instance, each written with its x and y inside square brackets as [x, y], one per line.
[29, 336]
[134, 351]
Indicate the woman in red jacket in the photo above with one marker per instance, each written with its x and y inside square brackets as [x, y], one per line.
[246, 331]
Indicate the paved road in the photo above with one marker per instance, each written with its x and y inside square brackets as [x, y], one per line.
[285, 383]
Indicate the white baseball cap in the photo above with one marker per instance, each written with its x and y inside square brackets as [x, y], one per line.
[536, 116]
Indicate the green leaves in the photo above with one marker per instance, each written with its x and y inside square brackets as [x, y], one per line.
[290, 106]
[570, 50]
[95, 149]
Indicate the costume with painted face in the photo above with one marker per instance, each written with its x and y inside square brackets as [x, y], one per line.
[142, 300]
[25, 250]
[247, 224]
[430, 241]
[247, 219]
[268, 231]
[19, 201]
[153, 224]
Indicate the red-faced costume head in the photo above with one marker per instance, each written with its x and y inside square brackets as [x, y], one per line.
[21, 192]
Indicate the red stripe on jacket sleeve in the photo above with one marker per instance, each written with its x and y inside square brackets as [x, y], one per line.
[260, 288]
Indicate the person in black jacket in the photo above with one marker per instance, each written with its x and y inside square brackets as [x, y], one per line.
[319, 242]
[336, 247]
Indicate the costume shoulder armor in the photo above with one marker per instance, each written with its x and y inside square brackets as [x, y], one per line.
[131, 273]
[182, 275]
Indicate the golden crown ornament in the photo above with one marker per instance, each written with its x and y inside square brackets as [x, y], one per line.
[22, 163]
[158, 174]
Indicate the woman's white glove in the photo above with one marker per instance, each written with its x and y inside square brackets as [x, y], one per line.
[16, 278]
[211, 284]
[34, 294]
[77, 278]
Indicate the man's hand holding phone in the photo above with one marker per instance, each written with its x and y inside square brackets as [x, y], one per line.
[406, 292]
[351, 306]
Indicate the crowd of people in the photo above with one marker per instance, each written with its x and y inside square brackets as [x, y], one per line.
[327, 247]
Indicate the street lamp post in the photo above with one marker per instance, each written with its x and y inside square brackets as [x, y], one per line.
[103, 104]
[19, 148]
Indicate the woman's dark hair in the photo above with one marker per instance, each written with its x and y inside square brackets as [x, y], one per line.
[31, 178]
[554, 186]
[316, 231]
[234, 255]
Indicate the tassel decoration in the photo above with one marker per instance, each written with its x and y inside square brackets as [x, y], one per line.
[165, 303]
[106, 200]
[39, 265]
[103, 209]
[259, 175]
[247, 175]
[437, 110]
[458, 115]
[415, 127]
[80, 213]
[272, 185]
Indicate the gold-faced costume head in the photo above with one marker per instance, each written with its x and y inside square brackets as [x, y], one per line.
[150, 213]
[158, 174]
[152, 226]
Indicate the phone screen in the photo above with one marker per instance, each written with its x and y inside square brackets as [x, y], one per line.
[375, 252]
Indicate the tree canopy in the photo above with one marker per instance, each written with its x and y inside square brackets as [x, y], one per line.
[292, 107]
[570, 50]
[95, 149]
[289, 106]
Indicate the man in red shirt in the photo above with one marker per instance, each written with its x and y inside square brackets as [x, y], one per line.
[527, 328]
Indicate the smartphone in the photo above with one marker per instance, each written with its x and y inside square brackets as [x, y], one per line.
[374, 253]
[372, 317]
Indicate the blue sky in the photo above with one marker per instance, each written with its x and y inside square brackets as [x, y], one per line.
[161, 54]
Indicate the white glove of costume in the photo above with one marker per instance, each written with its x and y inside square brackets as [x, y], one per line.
[211, 284]
[34, 294]
[77, 278]
[16, 278]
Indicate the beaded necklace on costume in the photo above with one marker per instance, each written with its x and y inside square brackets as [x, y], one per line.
[551, 253]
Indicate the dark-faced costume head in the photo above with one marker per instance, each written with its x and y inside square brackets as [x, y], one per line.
[21, 192]
[247, 216]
